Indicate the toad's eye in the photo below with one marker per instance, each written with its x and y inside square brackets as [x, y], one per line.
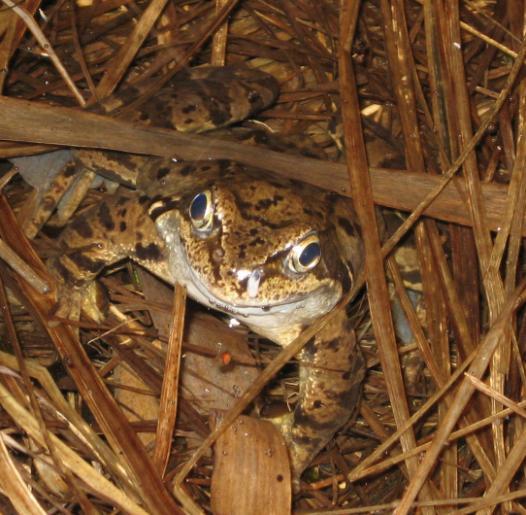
[201, 211]
[306, 254]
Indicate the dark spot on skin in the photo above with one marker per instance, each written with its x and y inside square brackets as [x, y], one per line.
[121, 201]
[347, 226]
[412, 276]
[144, 199]
[120, 159]
[205, 168]
[86, 263]
[242, 252]
[307, 441]
[346, 375]
[279, 478]
[138, 235]
[317, 404]
[246, 209]
[64, 272]
[332, 345]
[122, 212]
[70, 169]
[189, 108]
[188, 121]
[187, 170]
[218, 111]
[158, 112]
[256, 241]
[254, 97]
[151, 252]
[264, 204]
[122, 226]
[163, 172]
[310, 348]
[253, 231]
[82, 227]
[309, 153]
[105, 217]
[144, 117]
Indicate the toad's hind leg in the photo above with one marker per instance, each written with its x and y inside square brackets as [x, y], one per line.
[332, 368]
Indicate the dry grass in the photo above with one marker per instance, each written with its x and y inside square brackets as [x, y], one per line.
[431, 100]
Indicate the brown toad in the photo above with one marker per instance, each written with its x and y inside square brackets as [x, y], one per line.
[274, 256]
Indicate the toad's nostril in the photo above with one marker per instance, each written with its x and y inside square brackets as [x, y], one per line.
[217, 255]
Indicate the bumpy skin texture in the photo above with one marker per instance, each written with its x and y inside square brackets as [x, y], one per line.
[256, 224]
[330, 386]
[241, 264]
[205, 98]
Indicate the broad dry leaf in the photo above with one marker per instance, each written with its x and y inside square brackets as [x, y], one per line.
[252, 472]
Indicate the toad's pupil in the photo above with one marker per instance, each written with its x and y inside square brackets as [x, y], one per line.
[198, 206]
[310, 254]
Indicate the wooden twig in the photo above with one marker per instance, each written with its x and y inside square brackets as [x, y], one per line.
[171, 377]
[35, 122]
[22, 268]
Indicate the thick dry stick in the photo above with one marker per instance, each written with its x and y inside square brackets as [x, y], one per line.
[170, 388]
[22, 268]
[34, 122]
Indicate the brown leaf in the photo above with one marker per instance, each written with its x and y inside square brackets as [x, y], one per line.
[251, 473]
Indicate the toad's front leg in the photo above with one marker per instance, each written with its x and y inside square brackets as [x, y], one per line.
[118, 227]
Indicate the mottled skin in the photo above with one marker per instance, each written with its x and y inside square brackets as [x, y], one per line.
[242, 264]
[195, 100]
[256, 224]
[202, 99]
